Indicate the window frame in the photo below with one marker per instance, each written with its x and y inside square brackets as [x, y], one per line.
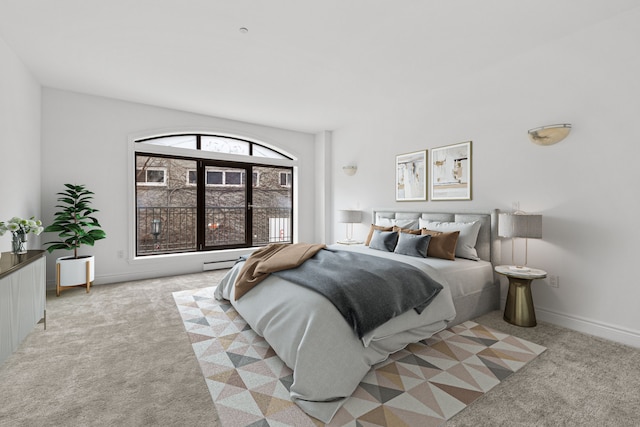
[193, 184]
[146, 176]
[224, 180]
[288, 179]
[139, 146]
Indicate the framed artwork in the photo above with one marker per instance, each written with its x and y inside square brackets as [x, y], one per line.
[451, 172]
[411, 176]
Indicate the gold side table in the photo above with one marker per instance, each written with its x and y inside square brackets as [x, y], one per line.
[519, 309]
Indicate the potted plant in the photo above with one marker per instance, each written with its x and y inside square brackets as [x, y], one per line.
[75, 226]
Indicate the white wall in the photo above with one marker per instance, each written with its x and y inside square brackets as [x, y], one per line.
[85, 141]
[19, 143]
[586, 187]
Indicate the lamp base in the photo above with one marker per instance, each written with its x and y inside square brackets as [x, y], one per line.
[520, 268]
[349, 242]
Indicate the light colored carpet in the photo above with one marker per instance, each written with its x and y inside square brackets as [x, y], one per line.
[120, 356]
[117, 356]
[423, 385]
[580, 381]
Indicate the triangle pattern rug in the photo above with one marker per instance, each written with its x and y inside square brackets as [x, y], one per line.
[423, 385]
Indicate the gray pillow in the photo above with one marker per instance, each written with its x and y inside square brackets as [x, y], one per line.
[384, 240]
[413, 244]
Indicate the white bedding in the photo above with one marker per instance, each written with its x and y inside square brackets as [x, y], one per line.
[310, 335]
[463, 275]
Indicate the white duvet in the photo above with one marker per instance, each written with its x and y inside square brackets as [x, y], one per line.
[310, 335]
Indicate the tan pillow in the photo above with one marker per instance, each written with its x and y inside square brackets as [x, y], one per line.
[442, 245]
[406, 230]
[372, 229]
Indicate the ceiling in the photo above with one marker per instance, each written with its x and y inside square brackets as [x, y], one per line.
[302, 65]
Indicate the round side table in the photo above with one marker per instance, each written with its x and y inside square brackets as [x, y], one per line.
[519, 309]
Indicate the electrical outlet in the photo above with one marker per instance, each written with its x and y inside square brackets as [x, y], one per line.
[120, 254]
[554, 281]
[515, 206]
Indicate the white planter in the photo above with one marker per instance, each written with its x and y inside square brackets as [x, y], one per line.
[75, 272]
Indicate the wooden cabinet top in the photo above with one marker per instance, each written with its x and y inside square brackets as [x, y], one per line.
[10, 262]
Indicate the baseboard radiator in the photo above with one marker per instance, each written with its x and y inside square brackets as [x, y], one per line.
[218, 265]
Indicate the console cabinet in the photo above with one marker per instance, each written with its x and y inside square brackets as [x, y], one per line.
[22, 297]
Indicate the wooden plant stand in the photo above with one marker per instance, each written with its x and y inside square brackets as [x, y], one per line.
[82, 285]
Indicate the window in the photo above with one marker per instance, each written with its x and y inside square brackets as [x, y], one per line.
[225, 145]
[192, 177]
[220, 177]
[192, 202]
[215, 177]
[151, 176]
[224, 177]
[285, 179]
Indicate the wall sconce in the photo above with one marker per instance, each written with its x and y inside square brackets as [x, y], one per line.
[520, 224]
[350, 170]
[549, 135]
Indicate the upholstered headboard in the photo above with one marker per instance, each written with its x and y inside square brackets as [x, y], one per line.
[487, 245]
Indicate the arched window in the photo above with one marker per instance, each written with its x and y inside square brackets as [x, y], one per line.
[197, 192]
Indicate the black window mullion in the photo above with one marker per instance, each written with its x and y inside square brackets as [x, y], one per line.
[292, 205]
[248, 184]
[200, 218]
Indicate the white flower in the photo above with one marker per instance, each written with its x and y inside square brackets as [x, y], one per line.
[19, 225]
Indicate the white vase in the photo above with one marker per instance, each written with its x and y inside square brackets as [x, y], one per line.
[75, 272]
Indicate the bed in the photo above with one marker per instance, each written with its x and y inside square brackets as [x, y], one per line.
[311, 336]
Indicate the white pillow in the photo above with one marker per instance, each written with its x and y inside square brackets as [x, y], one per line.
[466, 246]
[402, 223]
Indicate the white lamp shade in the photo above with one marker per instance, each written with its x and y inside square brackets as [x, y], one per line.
[520, 225]
[349, 217]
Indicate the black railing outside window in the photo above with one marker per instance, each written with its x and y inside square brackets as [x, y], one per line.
[163, 230]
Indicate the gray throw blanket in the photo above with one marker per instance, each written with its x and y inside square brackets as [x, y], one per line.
[367, 290]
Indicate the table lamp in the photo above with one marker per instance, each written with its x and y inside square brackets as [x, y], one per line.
[523, 225]
[349, 217]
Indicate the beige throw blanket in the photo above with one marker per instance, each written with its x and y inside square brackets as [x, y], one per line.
[271, 258]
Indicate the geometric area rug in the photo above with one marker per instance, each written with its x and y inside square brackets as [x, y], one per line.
[424, 384]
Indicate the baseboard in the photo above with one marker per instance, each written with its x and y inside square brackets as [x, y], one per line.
[591, 327]
[588, 326]
[107, 279]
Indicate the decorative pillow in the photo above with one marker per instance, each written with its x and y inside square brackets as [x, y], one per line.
[412, 244]
[384, 240]
[374, 228]
[407, 230]
[442, 245]
[466, 247]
